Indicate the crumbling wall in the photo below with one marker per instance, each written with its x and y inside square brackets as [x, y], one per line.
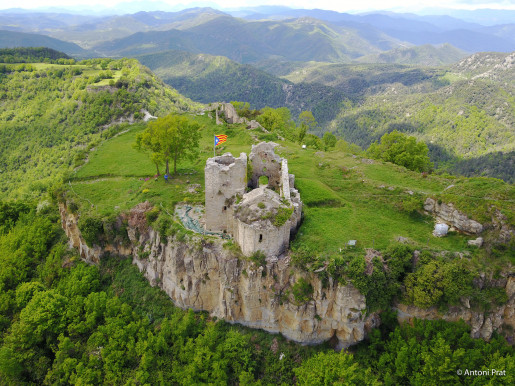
[285, 180]
[265, 163]
[225, 177]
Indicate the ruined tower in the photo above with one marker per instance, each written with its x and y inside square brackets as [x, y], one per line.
[260, 218]
[225, 177]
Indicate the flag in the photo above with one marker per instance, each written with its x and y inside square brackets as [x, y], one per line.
[220, 138]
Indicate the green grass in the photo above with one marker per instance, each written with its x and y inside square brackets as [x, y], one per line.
[344, 198]
[116, 174]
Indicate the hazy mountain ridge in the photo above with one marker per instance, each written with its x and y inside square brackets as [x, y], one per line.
[289, 33]
[245, 42]
[426, 55]
[12, 39]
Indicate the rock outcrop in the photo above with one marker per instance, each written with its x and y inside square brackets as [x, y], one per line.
[447, 213]
[483, 323]
[226, 112]
[201, 274]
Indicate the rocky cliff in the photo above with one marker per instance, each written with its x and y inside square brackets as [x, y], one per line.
[483, 324]
[201, 274]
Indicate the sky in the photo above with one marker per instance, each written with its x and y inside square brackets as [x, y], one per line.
[340, 6]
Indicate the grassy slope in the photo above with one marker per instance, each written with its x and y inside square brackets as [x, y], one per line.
[344, 197]
[53, 114]
[425, 55]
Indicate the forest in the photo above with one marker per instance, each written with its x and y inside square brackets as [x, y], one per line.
[63, 321]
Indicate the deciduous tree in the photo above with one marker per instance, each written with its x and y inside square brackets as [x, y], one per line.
[171, 138]
[403, 150]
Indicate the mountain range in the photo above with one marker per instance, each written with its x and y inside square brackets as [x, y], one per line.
[262, 32]
[361, 75]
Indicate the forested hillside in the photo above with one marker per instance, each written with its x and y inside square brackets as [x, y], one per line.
[51, 114]
[246, 41]
[464, 112]
[370, 126]
[425, 55]
[206, 78]
[11, 39]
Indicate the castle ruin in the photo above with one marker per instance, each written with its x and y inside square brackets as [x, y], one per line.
[260, 218]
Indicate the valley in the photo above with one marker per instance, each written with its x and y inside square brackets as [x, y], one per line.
[362, 234]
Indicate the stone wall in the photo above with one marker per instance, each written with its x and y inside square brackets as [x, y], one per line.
[265, 163]
[272, 241]
[225, 176]
[285, 180]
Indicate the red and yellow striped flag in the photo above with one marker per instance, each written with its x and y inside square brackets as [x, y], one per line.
[220, 138]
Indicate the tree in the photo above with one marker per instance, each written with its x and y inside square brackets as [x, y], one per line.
[329, 140]
[311, 140]
[330, 368]
[307, 122]
[402, 150]
[171, 138]
[270, 118]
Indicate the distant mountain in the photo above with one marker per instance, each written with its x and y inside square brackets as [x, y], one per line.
[426, 55]
[416, 29]
[11, 39]
[487, 17]
[30, 21]
[246, 42]
[104, 29]
[265, 32]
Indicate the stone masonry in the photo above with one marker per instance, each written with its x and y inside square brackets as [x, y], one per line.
[260, 218]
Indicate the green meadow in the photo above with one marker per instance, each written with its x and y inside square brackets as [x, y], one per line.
[346, 197]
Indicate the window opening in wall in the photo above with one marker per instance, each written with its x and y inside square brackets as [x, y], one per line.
[225, 208]
[260, 238]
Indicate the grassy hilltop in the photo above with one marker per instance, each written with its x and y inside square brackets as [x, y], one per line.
[52, 112]
[346, 197]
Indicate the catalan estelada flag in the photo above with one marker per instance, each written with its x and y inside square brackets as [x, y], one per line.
[220, 138]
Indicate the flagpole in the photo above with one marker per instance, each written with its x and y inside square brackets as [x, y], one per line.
[214, 141]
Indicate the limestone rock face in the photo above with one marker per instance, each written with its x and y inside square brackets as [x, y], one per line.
[448, 214]
[483, 324]
[202, 275]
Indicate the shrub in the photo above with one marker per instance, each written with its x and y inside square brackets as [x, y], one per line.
[152, 215]
[258, 258]
[91, 229]
[283, 215]
[302, 291]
